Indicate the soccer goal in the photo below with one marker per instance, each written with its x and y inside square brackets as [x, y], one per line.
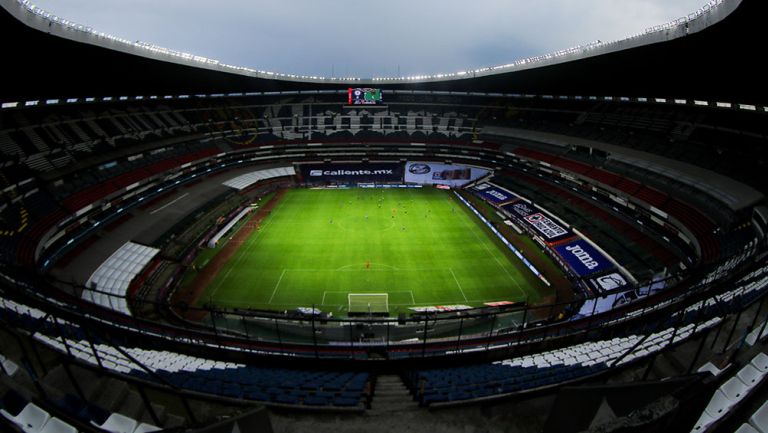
[368, 303]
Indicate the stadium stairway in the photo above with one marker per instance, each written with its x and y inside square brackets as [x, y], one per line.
[391, 395]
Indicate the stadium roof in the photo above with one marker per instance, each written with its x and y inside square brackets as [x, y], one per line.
[711, 56]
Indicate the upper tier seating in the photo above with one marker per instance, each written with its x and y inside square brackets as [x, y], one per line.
[701, 227]
[104, 188]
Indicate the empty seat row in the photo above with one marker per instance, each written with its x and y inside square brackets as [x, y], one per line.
[110, 281]
[33, 419]
[244, 181]
[542, 369]
[269, 385]
[758, 422]
[732, 392]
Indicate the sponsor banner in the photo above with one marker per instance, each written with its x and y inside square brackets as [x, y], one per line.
[494, 194]
[309, 311]
[607, 282]
[607, 302]
[352, 173]
[501, 237]
[500, 303]
[440, 308]
[386, 185]
[434, 173]
[583, 258]
[537, 220]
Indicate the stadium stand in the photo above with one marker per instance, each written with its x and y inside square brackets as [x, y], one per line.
[108, 285]
[733, 391]
[634, 249]
[669, 189]
[248, 179]
[575, 362]
[699, 225]
[271, 385]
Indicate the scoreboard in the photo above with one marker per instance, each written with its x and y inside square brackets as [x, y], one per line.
[364, 96]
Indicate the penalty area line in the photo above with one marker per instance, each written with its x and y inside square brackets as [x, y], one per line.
[458, 284]
[276, 286]
[322, 302]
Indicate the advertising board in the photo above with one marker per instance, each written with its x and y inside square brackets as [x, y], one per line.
[494, 194]
[352, 173]
[608, 282]
[432, 173]
[534, 218]
[583, 258]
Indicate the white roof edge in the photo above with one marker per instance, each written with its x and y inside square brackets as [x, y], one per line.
[39, 19]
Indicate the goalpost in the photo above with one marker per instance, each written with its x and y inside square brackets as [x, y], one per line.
[368, 303]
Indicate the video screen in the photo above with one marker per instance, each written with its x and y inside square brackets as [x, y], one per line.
[364, 96]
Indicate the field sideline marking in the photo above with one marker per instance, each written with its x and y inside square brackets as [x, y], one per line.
[458, 284]
[168, 204]
[276, 285]
[322, 302]
[392, 269]
[242, 251]
[442, 241]
[237, 301]
[514, 280]
[449, 302]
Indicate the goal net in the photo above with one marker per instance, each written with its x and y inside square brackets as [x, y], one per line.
[368, 303]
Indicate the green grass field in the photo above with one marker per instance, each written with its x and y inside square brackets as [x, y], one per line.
[422, 247]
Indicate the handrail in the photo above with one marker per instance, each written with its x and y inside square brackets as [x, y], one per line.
[77, 311]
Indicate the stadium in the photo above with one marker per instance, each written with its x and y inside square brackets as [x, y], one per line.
[570, 242]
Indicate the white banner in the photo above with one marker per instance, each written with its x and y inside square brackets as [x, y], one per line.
[441, 174]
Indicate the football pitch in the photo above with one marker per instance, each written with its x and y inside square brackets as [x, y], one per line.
[402, 247]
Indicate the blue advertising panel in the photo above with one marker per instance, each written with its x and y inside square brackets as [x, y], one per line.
[352, 173]
[540, 222]
[583, 258]
[506, 242]
[494, 194]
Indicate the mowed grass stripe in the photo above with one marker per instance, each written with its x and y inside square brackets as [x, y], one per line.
[241, 253]
[491, 251]
[421, 246]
